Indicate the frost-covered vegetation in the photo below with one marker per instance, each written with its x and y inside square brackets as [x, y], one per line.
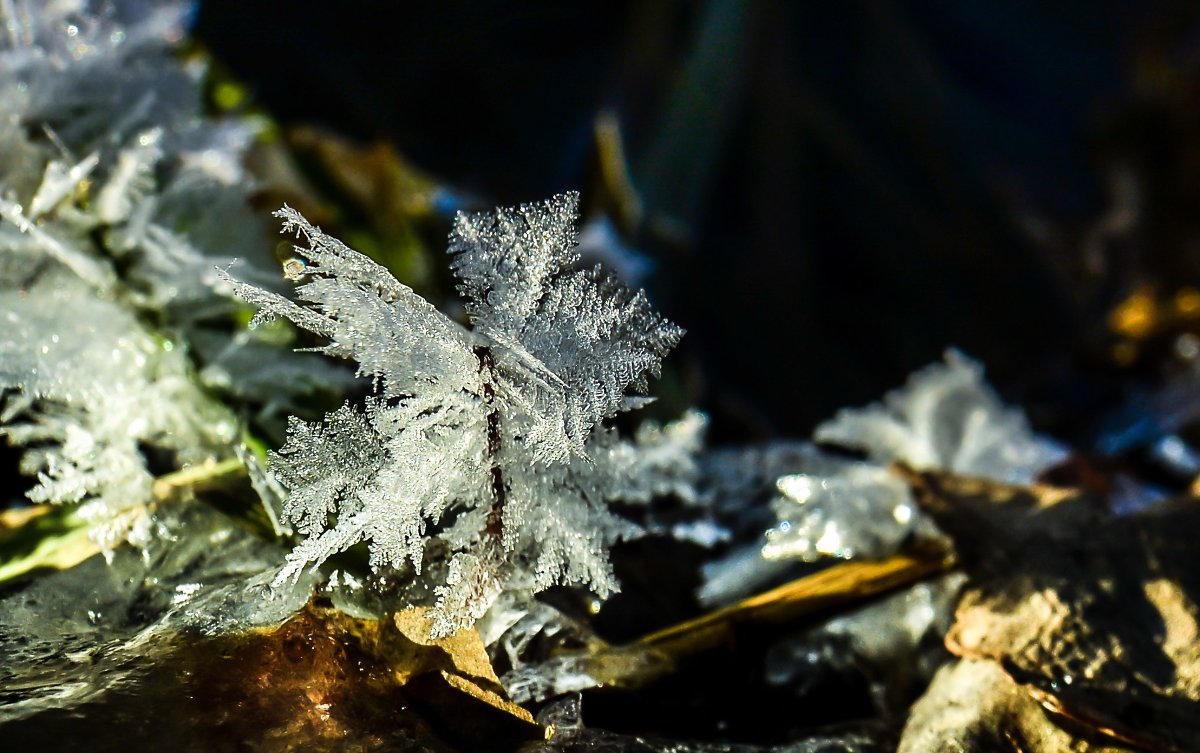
[117, 195]
[491, 438]
[121, 201]
[471, 463]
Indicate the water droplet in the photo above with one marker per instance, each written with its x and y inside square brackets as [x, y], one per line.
[294, 269]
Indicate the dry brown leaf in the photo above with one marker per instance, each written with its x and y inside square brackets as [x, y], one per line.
[460, 659]
[972, 706]
[1095, 615]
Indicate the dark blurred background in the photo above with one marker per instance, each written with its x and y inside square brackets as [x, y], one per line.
[832, 193]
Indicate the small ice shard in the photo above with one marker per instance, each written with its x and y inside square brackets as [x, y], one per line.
[860, 511]
[524, 635]
[555, 677]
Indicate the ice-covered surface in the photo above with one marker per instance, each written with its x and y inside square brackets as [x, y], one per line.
[948, 418]
[1150, 418]
[895, 645]
[67, 638]
[536, 647]
[190, 644]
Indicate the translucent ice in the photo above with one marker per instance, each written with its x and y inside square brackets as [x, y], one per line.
[862, 510]
[69, 637]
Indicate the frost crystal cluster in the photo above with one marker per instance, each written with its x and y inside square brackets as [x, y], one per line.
[101, 154]
[490, 438]
[117, 196]
[946, 417]
[93, 387]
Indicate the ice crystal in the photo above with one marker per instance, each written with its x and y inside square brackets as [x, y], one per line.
[489, 438]
[946, 417]
[89, 388]
[569, 342]
[117, 195]
[109, 167]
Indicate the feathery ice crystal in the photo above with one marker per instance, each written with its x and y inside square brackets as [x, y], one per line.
[946, 417]
[489, 438]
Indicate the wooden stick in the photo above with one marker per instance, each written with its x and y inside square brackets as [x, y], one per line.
[849, 583]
